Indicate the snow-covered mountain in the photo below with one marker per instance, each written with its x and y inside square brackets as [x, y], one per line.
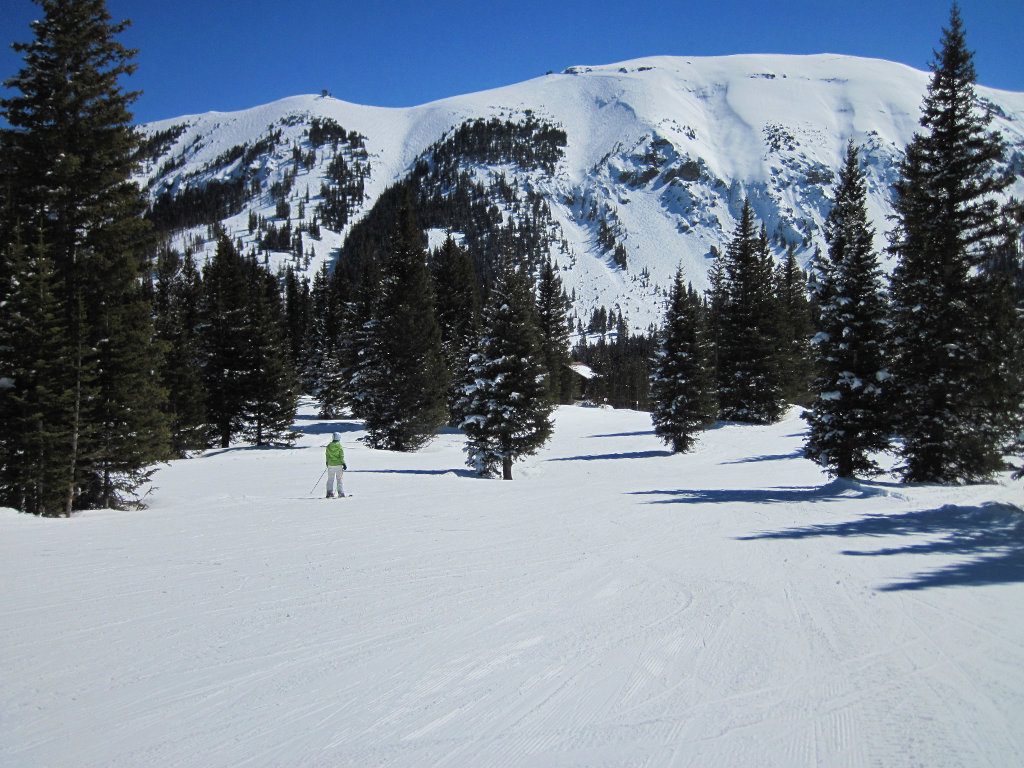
[619, 172]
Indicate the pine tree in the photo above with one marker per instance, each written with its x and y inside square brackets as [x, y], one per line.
[224, 341]
[35, 394]
[715, 300]
[748, 360]
[553, 323]
[458, 312]
[68, 163]
[1009, 264]
[314, 342]
[326, 368]
[129, 434]
[366, 363]
[508, 411]
[683, 381]
[849, 415]
[623, 369]
[177, 302]
[410, 380]
[796, 329]
[270, 383]
[958, 401]
[296, 309]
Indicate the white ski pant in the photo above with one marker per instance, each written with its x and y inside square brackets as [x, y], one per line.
[334, 477]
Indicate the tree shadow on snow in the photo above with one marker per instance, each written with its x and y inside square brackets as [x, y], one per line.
[798, 454]
[326, 426]
[991, 535]
[437, 472]
[611, 456]
[210, 452]
[837, 489]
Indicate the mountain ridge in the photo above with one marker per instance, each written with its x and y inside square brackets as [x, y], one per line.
[659, 154]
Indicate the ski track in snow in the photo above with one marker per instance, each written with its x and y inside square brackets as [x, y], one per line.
[615, 605]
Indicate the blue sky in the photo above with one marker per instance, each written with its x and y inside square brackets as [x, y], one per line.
[201, 55]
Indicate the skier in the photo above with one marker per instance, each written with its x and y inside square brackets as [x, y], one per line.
[336, 466]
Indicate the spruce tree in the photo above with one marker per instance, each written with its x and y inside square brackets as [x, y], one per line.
[366, 382]
[795, 330]
[715, 300]
[1010, 265]
[67, 168]
[270, 381]
[409, 380]
[508, 410]
[296, 309]
[848, 417]
[326, 368]
[748, 360]
[682, 381]
[128, 427]
[314, 341]
[458, 312]
[35, 393]
[553, 324]
[958, 383]
[224, 341]
[178, 296]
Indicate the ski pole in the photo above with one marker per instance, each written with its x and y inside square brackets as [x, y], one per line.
[318, 480]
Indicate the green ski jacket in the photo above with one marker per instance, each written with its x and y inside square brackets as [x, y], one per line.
[335, 455]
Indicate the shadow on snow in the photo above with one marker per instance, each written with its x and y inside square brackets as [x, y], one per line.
[837, 489]
[612, 456]
[991, 535]
[209, 452]
[315, 426]
[436, 472]
[798, 454]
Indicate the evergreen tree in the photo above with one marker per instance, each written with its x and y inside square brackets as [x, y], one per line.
[1010, 264]
[508, 411]
[128, 427]
[178, 297]
[271, 384]
[848, 417]
[553, 323]
[366, 362]
[67, 167]
[326, 367]
[715, 300]
[749, 371]
[683, 381]
[296, 309]
[35, 393]
[410, 380]
[458, 312]
[795, 330]
[315, 342]
[623, 369]
[224, 341]
[957, 372]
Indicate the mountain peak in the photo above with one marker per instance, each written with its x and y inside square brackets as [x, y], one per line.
[646, 163]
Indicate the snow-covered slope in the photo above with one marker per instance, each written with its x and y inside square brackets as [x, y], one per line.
[614, 605]
[658, 156]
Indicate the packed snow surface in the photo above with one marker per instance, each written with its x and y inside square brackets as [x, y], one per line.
[614, 605]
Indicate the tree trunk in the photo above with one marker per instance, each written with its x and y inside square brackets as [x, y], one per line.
[506, 468]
